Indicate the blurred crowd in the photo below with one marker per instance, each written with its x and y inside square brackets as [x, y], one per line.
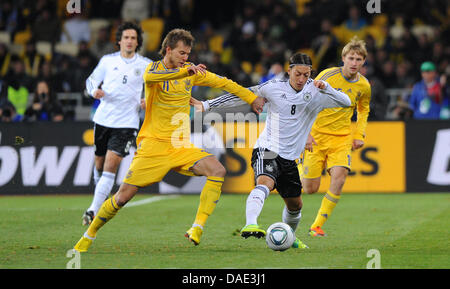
[46, 51]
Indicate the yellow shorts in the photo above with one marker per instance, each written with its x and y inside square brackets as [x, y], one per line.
[330, 151]
[154, 159]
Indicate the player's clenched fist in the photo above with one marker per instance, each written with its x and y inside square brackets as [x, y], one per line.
[320, 84]
[258, 104]
[98, 94]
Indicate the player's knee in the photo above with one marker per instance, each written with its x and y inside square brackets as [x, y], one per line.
[126, 192]
[311, 188]
[218, 171]
[294, 204]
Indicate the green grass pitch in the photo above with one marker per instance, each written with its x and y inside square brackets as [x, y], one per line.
[408, 230]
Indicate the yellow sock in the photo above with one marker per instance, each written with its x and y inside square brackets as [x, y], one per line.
[107, 211]
[329, 201]
[208, 199]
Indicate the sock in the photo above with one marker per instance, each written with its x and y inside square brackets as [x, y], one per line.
[255, 203]
[292, 218]
[97, 174]
[108, 210]
[208, 199]
[102, 190]
[329, 201]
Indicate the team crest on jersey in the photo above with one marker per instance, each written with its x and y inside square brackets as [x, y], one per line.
[305, 170]
[137, 72]
[129, 174]
[307, 96]
[188, 84]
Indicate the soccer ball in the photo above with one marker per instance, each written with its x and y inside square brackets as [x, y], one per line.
[280, 236]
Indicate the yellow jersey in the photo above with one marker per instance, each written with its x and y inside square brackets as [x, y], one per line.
[167, 95]
[337, 121]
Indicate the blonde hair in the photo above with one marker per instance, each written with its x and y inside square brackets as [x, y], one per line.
[355, 45]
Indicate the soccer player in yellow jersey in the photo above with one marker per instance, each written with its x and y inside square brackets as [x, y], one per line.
[331, 140]
[163, 142]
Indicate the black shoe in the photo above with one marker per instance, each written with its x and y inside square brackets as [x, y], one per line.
[88, 217]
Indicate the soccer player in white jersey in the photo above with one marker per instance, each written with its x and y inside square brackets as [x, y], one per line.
[293, 104]
[117, 81]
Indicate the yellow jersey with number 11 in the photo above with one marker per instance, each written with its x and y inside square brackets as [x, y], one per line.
[167, 95]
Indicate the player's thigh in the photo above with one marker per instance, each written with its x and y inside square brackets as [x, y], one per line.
[101, 138]
[112, 162]
[312, 163]
[341, 154]
[311, 186]
[266, 180]
[265, 167]
[193, 161]
[288, 183]
[149, 165]
[209, 166]
[121, 141]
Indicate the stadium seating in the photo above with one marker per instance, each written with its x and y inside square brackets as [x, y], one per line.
[66, 48]
[5, 37]
[95, 25]
[44, 48]
[22, 37]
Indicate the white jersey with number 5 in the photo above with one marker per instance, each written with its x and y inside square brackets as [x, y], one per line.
[122, 82]
[290, 113]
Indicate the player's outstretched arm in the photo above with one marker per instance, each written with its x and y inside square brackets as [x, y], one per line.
[228, 100]
[216, 81]
[333, 98]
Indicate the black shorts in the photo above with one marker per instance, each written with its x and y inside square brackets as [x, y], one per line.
[284, 172]
[118, 140]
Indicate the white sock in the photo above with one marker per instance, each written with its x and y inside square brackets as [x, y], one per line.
[97, 175]
[87, 236]
[197, 225]
[102, 190]
[255, 203]
[292, 218]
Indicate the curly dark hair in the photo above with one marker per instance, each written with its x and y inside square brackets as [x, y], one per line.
[126, 26]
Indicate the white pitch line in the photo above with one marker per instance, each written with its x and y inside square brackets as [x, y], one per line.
[150, 200]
